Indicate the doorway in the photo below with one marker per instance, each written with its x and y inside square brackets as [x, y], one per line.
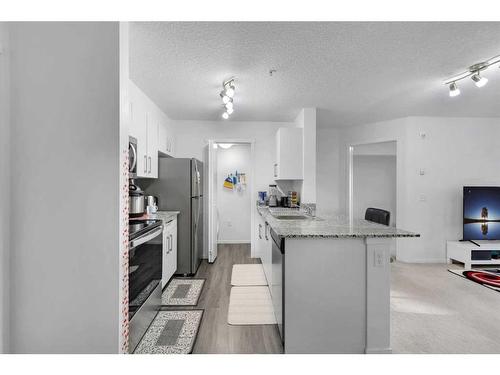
[373, 180]
[230, 192]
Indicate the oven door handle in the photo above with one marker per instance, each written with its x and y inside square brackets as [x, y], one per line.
[145, 238]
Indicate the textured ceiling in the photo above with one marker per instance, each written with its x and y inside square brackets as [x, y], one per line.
[353, 72]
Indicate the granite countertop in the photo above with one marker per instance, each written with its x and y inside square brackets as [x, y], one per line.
[334, 226]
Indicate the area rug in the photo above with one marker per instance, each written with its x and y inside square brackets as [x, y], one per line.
[489, 277]
[171, 332]
[248, 275]
[182, 292]
[250, 305]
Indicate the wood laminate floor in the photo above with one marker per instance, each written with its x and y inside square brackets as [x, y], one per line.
[215, 334]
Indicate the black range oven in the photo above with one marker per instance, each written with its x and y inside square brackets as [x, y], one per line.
[145, 262]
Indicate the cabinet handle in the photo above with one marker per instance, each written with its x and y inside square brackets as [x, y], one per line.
[260, 234]
[149, 164]
[168, 244]
[171, 243]
[265, 231]
[145, 164]
[276, 170]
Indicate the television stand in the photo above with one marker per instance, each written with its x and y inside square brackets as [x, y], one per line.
[474, 242]
[469, 254]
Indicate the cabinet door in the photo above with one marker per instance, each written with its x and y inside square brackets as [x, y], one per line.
[164, 266]
[142, 146]
[267, 253]
[173, 249]
[152, 141]
[289, 154]
[170, 264]
[162, 138]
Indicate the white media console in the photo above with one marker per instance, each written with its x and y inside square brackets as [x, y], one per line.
[471, 255]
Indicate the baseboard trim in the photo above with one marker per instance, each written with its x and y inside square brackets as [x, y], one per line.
[236, 242]
[378, 351]
[422, 261]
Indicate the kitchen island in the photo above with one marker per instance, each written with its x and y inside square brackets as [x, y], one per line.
[329, 279]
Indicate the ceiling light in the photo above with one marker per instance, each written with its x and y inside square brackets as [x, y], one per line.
[230, 90]
[478, 80]
[230, 110]
[454, 90]
[225, 145]
[474, 72]
[225, 115]
[225, 99]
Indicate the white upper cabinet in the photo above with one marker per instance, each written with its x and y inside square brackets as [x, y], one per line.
[289, 154]
[149, 125]
[165, 139]
[152, 141]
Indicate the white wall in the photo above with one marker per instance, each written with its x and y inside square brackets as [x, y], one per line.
[374, 180]
[307, 120]
[327, 171]
[65, 188]
[192, 138]
[4, 186]
[234, 206]
[454, 152]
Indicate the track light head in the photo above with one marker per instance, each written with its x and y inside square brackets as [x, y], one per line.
[225, 115]
[225, 99]
[478, 80]
[454, 90]
[230, 90]
[229, 104]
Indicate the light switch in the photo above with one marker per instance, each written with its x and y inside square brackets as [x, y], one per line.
[379, 258]
[422, 172]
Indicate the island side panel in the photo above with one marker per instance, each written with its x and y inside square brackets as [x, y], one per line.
[378, 295]
[325, 295]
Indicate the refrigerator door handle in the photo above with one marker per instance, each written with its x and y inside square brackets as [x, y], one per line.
[197, 177]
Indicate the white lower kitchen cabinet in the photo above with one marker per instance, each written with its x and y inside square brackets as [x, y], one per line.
[169, 251]
[264, 246]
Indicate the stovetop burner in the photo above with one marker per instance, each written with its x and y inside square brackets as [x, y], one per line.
[137, 228]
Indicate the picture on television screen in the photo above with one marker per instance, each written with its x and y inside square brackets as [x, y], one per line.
[481, 213]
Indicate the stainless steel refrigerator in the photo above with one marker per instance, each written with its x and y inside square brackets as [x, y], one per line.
[179, 187]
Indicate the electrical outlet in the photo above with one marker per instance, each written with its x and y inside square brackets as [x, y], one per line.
[422, 198]
[379, 258]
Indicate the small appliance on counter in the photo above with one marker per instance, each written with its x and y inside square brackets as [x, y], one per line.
[293, 199]
[151, 204]
[273, 196]
[135, 200]
[262, 198]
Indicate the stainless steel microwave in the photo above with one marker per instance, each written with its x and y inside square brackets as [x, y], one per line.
[132, 157]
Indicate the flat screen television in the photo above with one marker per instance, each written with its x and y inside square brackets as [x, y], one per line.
[481, 213]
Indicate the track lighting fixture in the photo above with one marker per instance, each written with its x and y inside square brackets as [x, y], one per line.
[454, 90]
[474, 72]
[227, 95]
[478, 80]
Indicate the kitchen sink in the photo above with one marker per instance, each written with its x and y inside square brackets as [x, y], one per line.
[292, 217]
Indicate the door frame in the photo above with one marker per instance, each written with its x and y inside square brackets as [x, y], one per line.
[251, 142]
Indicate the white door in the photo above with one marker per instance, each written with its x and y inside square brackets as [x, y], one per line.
[213, 220]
